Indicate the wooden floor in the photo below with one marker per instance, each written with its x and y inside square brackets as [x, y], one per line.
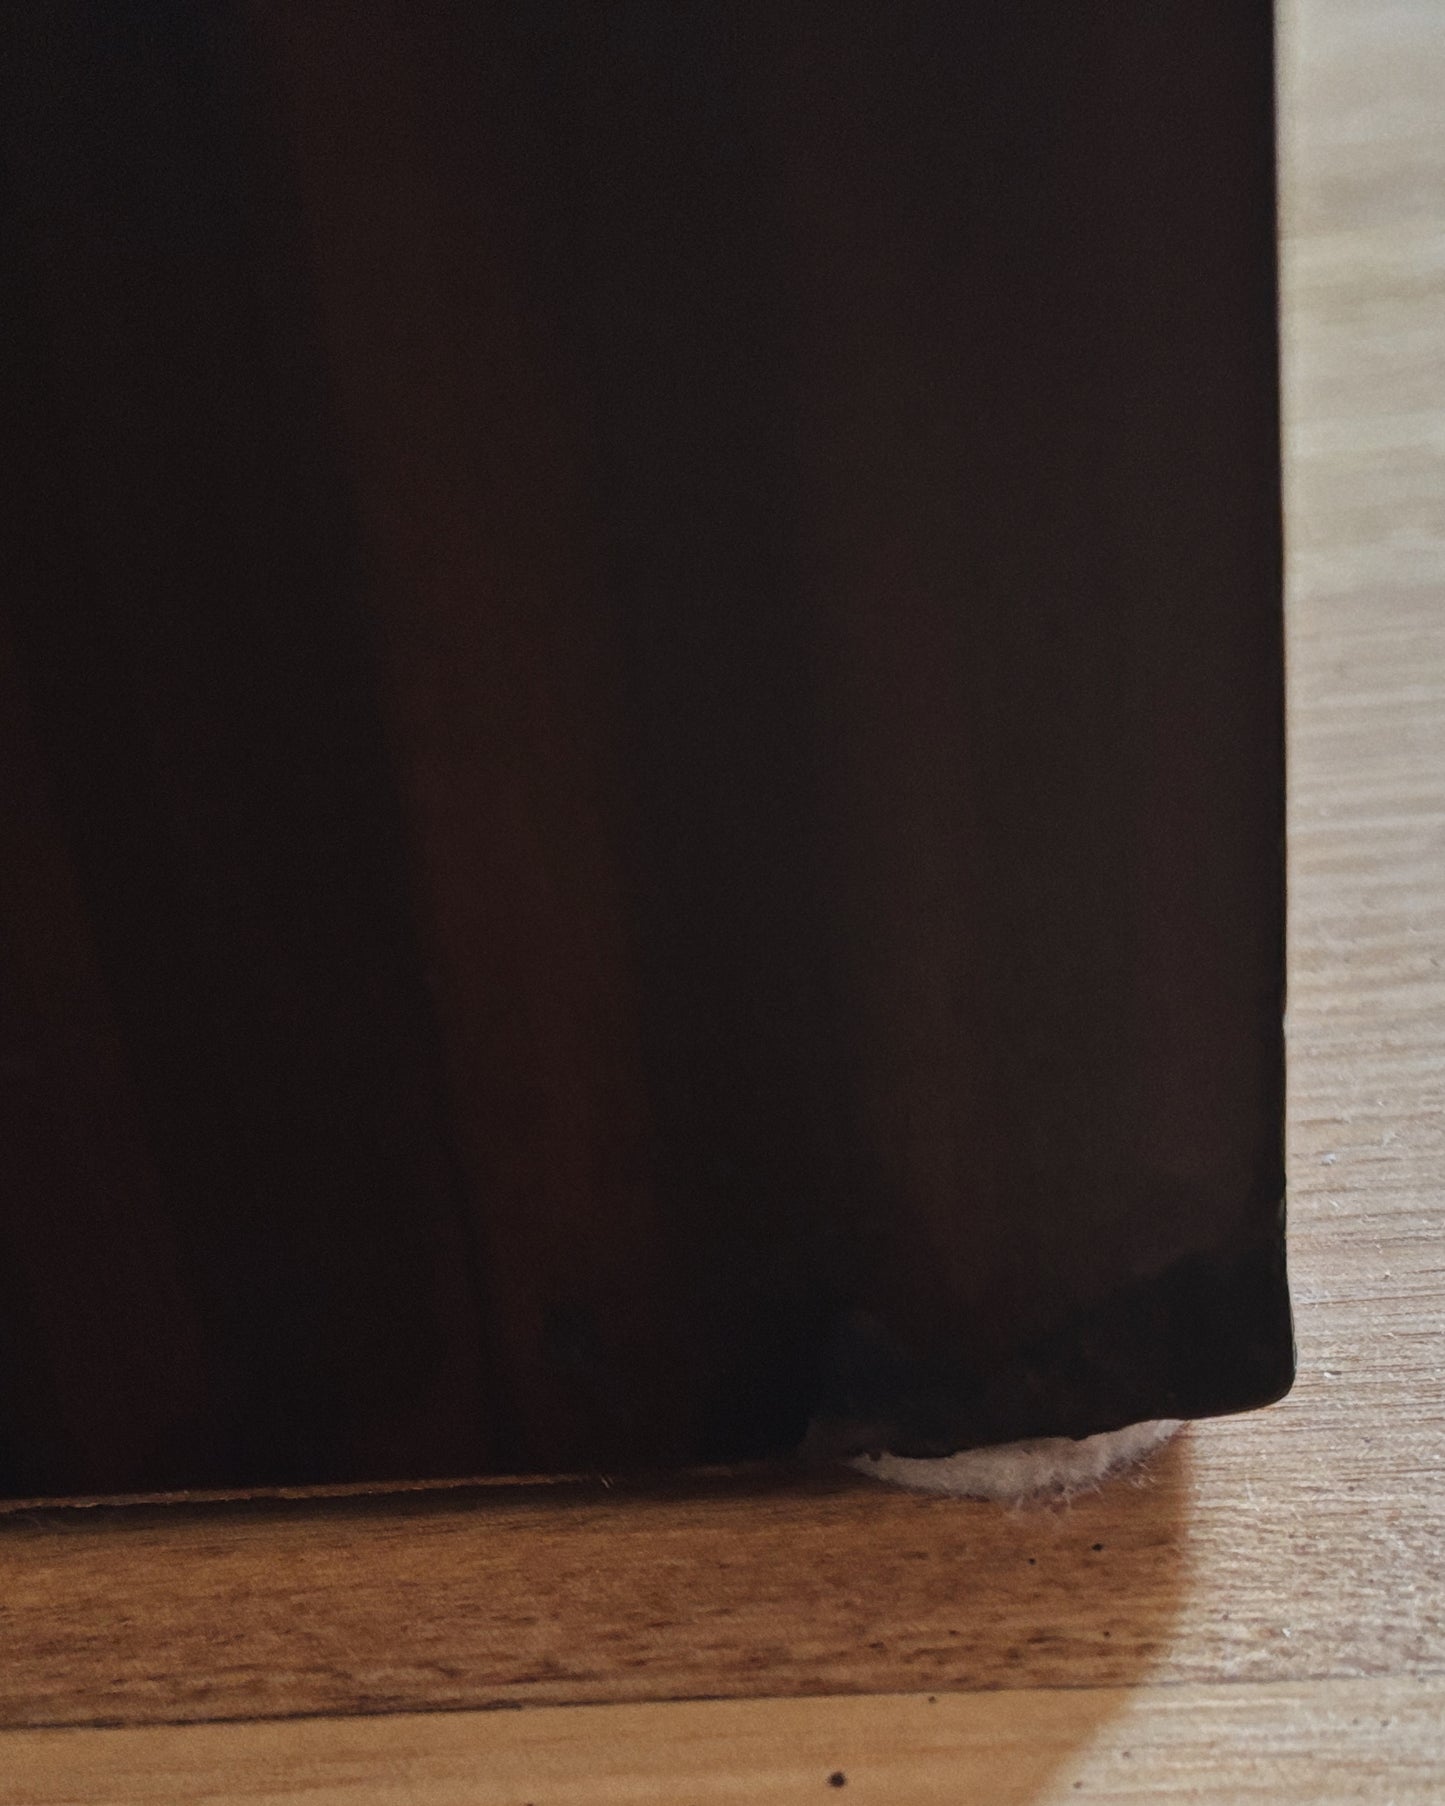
[1262, 1616]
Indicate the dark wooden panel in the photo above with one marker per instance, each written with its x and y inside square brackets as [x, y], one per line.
[186, 600]
[101, 1379]
[436, 211]
[655, 635]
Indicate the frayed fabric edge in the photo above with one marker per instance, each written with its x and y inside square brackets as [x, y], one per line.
[1051, 1466]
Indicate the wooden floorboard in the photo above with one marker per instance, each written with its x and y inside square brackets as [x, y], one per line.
[1381, 1741]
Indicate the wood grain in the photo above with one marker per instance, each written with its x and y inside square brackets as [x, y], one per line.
[1241, 1558]
[611, 605]
[1341, 1741]
[250, 1057]
[1283, 1572]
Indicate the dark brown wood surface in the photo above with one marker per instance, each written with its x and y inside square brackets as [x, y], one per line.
[651, 801]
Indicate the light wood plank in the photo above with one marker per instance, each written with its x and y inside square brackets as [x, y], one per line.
[1381, 1741]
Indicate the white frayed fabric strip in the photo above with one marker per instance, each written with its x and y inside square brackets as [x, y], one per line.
[1052, 1465]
